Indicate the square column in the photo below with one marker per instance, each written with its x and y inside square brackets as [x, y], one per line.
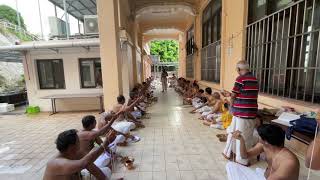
[110, 50]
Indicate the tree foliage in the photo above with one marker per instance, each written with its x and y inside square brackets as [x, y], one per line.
[10, 15]
[168, 50]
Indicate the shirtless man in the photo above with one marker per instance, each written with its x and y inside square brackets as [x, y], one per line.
[68, 164]
[88, 136]
[282, 163]
[122, 136]
[206, 106]
[126, 116]
[216, 109]
[187, 99]
[313, 159]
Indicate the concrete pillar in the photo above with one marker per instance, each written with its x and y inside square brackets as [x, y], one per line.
[182, 55]
[110, 50]
[198, 41]
[126, 71]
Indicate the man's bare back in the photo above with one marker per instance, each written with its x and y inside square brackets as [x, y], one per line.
[52, 174]
[86, 143]
[283, 165]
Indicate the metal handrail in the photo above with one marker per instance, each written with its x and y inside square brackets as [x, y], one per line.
[7, 25]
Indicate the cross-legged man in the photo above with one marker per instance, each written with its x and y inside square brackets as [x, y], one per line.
[282, 163]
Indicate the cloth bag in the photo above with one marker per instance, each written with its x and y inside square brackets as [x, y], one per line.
[303, 125]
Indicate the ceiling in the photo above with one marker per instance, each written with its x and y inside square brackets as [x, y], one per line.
[162, 31]
[139, 4]
[78, 8]
[162, 18]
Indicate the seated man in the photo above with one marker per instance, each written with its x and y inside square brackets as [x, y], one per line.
[188, 97]
[313, 153]
[222, 121]
[196, 100]
[206, 106]
[172, 81]
[282, 163]
[69, 162]
[88, 137]
[216, 109]
[126, 118]
[136, 111]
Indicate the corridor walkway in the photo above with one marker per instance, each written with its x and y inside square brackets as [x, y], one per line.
[174, 145]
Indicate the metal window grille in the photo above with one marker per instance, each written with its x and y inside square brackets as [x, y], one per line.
[190, 41]
[211, 62]
[190, 67]
[211, 43]
[283, 50]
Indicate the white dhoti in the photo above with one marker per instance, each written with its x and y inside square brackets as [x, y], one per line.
[238, 172]
[136, 114]
[123, 126]
[105, 170]
[219, 124]
[246, 126]
[216, 116]
[204, 109]
[103, 160]
[206, 113]
[119, 139]
[164, 84]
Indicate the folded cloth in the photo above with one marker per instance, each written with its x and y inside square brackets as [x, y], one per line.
[238, 172]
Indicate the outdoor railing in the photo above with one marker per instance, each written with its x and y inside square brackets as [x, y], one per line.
[10, 26]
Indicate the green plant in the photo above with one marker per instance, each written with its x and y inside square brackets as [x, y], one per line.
[10, 15]
[168, 50]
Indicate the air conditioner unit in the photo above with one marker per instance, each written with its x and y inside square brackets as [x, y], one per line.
[91, 24]
[58, 27]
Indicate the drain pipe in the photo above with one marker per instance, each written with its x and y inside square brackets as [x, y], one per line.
[60, 44]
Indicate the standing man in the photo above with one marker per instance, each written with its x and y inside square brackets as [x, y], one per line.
[244, 103]
[164, 82]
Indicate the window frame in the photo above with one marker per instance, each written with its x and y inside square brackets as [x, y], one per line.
[211, 42]
[81, 75]
[283, 63]
[190, 41]
[52, 71]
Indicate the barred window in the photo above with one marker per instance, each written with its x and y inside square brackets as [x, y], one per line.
[283, 49]
[190, 50]
[211, 35]
[190, 41]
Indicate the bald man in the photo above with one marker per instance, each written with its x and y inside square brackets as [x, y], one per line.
[244, 108]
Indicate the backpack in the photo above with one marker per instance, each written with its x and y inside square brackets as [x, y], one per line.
[303, 125]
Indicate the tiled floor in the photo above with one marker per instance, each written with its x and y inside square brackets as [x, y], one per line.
[174, 145]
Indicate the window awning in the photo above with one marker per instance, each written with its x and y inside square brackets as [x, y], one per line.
[78, 8]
